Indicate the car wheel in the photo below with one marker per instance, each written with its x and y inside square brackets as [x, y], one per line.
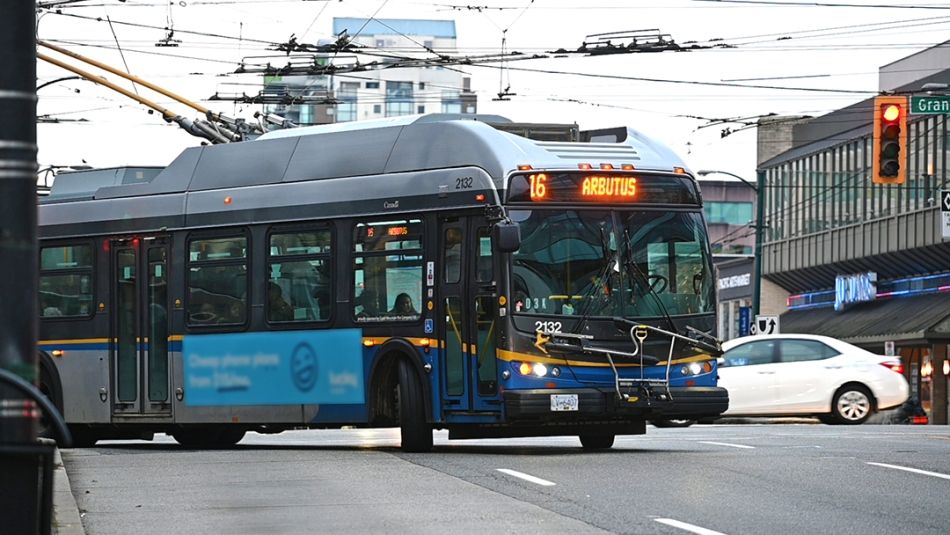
[597, 442]
[852, 405]
[672, 422]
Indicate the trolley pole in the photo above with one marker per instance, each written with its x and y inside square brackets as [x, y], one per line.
[21, 473]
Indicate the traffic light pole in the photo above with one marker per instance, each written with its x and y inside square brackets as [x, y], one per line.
[25, 465]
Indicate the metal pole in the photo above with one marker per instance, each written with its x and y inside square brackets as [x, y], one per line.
[18, 217]
[759, 233]
[25, 466]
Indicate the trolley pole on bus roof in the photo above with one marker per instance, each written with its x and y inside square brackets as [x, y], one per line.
[21, 461]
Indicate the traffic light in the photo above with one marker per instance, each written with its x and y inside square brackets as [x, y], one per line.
[890, 140]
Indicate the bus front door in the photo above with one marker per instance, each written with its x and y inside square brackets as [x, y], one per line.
[140, 360]
[468, 320]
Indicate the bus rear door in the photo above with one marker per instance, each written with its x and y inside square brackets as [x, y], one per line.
[140, 360]
[468, 320]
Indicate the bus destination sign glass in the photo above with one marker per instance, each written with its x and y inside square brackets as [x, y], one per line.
[596, 187]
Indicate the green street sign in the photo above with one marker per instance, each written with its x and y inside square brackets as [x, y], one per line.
[930, 105]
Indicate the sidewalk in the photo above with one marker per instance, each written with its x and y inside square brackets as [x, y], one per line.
[66, 519]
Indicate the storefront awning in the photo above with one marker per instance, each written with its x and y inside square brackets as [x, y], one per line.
[901, 319]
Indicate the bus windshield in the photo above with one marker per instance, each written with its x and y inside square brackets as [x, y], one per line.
[629, 263]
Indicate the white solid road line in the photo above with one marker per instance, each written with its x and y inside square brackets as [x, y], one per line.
[914, 470]
[688, 527]
[728, 444]
[527, 477]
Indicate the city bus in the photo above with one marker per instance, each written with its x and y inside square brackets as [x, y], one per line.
[467, 273]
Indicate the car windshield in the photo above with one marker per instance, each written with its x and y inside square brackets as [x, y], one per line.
[604, 263]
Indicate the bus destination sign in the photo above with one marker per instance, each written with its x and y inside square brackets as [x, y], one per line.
[598, 187]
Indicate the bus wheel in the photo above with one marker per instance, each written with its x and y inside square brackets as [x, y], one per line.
[597, 442]
[83, 437]
[416, 432]
[230, 437]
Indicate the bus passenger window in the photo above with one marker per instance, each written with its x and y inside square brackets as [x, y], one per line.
[299, 287]
[387, 271]
[65, 282]
[217, 281]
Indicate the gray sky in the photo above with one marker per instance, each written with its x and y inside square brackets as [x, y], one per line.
[807, 46]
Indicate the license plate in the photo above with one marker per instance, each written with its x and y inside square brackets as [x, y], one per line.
[563, 402]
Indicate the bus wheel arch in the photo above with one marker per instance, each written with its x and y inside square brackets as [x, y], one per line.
[51, 386]
[384, 381]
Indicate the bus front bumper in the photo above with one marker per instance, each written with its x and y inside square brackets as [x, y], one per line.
[562, 405]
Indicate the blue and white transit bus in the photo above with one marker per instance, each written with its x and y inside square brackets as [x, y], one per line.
[491, 278]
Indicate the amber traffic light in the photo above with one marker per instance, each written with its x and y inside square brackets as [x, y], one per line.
[890, 140]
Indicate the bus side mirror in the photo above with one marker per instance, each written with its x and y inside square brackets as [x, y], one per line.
[507, 236]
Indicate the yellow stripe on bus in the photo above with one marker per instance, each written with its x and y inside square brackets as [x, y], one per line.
[74, 341]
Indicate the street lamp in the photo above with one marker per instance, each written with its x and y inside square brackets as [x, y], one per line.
[759, 230]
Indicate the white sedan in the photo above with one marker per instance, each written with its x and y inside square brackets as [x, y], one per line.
[801, 374]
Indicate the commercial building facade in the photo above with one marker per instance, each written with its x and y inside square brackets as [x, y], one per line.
[729, 206]
[863, 262]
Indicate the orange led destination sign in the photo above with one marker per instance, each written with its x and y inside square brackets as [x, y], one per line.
[609, 186]
[596, 186]
[590, 186]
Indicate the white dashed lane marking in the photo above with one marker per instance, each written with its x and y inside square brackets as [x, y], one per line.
[527, 477]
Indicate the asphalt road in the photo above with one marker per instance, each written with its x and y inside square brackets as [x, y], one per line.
[732, 479]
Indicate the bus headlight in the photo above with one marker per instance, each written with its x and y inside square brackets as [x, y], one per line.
[696, 368]
[537, 369]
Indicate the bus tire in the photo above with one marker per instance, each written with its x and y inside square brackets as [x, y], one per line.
[597, 442]
[51, 387]
[415, 431]
[83, 436]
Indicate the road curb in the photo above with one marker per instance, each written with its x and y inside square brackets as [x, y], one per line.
[66, 520]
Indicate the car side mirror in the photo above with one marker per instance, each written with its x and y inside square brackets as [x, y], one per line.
[507, 236]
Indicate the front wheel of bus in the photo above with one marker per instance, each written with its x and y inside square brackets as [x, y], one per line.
[597, 442]
[416, 432]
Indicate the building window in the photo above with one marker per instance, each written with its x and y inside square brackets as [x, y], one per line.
[372, 85]
[732, 213]
[422, 85]
[377, 108]
[346, 109]
[451, 102]
[420, 109]
[387, 271]
[65, 287]
[398, 98]
[217, 281]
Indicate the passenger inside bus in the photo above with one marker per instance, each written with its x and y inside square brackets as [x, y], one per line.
[277, 308]
[367, 305]
[403, 306]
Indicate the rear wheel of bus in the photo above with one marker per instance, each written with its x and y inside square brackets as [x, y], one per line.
[597, 442]
[416, 432]
[208, 437]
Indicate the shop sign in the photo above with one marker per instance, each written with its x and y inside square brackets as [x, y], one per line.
[735, 281]
[856, 288]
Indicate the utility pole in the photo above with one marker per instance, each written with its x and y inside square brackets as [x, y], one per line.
[20, 464]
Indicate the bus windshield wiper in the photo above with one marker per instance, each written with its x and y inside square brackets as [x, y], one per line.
[590, 294]
[631, 267]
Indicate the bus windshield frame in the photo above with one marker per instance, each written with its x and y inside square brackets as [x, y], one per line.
[608, 262]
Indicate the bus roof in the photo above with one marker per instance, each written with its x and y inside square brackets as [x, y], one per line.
[377, 147]
[406, 164]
